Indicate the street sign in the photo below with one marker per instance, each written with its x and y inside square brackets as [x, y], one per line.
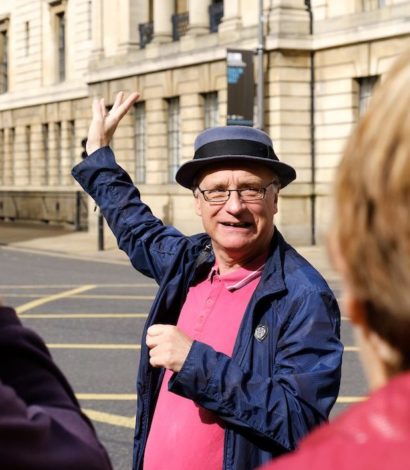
[241, 87]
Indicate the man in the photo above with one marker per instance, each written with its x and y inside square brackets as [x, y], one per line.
[41, 424]
[241, 354]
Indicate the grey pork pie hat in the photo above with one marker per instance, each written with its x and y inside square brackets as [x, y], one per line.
[233, 144]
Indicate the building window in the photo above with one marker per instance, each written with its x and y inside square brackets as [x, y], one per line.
[146, 30]
[58, 136]
[28, 154]
[216, 13]
[71, 139]
[180, 20]
[211, 111]
[11, 149]
[174, 138]
[89, 19]
[4, 57]
[2, 157]
[27, 38]
[46, 152]
[369, 5]
[366, 86]
[139, 142]
[61, 46]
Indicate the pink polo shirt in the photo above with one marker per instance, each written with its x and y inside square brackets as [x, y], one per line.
[183, 434]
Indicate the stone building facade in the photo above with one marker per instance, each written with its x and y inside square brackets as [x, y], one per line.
[321, 61]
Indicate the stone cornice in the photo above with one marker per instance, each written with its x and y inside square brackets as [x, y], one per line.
[43, 95]
[169, 56]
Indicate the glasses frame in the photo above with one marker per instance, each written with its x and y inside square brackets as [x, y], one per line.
[260, 197]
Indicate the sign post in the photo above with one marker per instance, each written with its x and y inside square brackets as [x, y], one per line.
[241, 86]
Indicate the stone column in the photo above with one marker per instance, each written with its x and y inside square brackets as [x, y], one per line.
[163, 11]
[198, 17]
[288, 17]
[128, 33]
[231, 20]
[97, 26]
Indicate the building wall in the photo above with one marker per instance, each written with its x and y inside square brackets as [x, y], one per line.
[309, 79]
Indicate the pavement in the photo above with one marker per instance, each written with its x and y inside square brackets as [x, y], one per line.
[65, 241]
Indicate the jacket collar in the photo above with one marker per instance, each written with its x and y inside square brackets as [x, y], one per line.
[273, 279]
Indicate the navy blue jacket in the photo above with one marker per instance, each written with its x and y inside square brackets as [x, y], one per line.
[271, 392]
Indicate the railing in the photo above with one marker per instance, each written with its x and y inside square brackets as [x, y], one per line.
[146, 31]
[216, 12]
[180, 24]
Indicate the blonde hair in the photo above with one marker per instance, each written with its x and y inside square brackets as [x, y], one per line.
[372, 209]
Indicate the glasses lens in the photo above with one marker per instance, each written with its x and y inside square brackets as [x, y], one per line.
[251, 194]
[216, 195]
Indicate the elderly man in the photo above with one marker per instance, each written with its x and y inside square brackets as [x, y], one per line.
[241, 354]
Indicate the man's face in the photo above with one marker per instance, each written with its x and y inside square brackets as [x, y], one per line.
[240, 230]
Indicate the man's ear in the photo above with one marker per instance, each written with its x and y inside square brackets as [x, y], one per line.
[276, 202]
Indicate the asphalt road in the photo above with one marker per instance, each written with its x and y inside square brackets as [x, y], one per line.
[91, 315]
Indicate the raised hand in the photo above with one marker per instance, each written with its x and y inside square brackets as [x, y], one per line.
[103, 123]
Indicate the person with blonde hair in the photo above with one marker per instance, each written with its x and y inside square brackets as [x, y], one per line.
[370, 244]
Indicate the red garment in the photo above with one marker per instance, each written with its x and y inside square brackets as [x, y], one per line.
[372, 435]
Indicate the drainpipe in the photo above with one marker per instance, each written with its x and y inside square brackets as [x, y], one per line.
[308, 5]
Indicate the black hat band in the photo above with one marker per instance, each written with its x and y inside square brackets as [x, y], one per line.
[238, 147]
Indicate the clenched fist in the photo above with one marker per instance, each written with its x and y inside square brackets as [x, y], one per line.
[169, 346]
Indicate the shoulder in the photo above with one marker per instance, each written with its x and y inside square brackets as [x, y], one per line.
[299, 273]
[375, 431]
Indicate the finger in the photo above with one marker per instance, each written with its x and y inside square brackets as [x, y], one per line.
[103, 109]
[151, 341]
[123, 109]
[118, 100]
[156, 330]
[96, 108]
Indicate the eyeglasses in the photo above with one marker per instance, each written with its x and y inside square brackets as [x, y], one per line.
[220, 196]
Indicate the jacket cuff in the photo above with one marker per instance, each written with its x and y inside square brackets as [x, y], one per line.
[195, 377]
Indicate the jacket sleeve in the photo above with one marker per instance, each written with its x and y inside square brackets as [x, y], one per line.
[149, 244]
[41, 424]
[295, 395]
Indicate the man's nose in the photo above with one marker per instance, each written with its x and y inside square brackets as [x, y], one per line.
[234, 204]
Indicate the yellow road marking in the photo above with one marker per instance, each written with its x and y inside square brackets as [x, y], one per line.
[68, 286]
[51, 298]
[84, 257]
[347, 400]
[116, 297]
[107, 396]
[92, 346]
[352, 349]
[109, 418]
[121, 297]
[83, 315]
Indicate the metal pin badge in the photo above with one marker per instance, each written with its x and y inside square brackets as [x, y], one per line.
[261, 332]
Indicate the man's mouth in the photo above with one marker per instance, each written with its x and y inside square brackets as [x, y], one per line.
[237, 224]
